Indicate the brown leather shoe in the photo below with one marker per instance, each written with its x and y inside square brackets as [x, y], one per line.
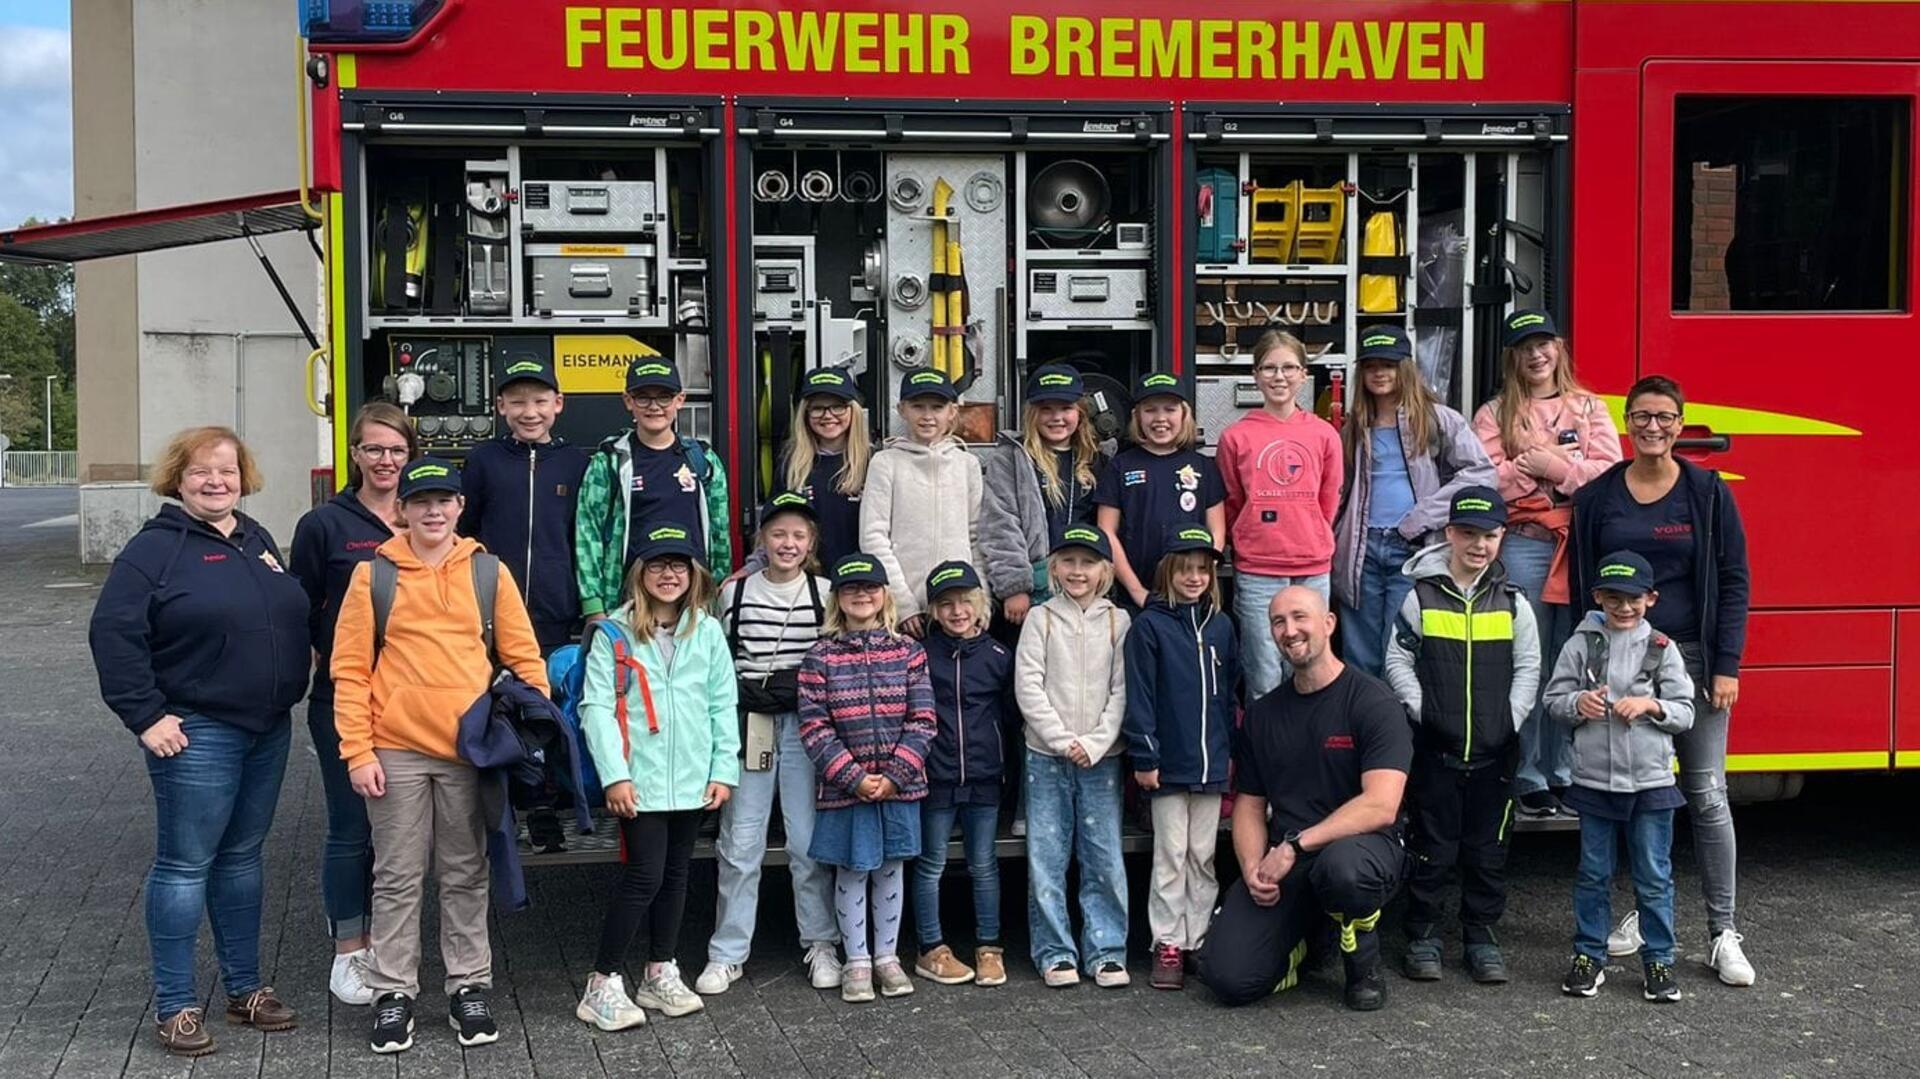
[185, 1034]
[260, 1010]
[990, 965]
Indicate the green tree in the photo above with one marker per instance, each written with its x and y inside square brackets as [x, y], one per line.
[36, 340]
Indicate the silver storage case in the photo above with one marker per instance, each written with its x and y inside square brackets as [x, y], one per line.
[587, 206]
[590, 279]
[1087, 293]
[1218, 400]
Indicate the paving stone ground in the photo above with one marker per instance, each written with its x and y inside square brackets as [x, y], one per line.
[1829, 890]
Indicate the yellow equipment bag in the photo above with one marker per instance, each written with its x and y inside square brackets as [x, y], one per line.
[1380, 293]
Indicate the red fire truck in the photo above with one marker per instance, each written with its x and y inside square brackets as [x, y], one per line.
[1722, 192]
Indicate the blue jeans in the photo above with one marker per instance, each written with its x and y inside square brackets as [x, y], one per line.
[1649, 837]
[346, 867]
[213, 803]
[1074, 812]
[1364, 626]
[979, 825]
[1546, 743]
[1261, 666]
[742, 847]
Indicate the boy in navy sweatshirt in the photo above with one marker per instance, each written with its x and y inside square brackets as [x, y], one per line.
[521, 490]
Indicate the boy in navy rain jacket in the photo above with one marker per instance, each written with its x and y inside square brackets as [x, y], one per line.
[521, 490]
[1182, 662]
[972, 676]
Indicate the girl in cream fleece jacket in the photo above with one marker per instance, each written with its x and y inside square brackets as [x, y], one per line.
[921, 506]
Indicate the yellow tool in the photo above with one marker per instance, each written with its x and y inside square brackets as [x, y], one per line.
[942, 191]
[1319, 225]
[1380, 293]
[764, 419]
[956, 311]
[1276, 215]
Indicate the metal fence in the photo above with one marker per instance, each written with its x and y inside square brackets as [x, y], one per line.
[39, 468]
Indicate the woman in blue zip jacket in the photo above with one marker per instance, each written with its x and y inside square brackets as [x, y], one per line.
[1682, 519]
[1182, 662]
[200, 642]
[972, 676]
[328, 542]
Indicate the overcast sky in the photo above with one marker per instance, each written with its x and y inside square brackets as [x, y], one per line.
[36, 137]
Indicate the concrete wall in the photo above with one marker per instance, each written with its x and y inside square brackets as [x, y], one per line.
[186, 101]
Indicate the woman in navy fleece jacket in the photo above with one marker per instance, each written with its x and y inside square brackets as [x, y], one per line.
[200, 641]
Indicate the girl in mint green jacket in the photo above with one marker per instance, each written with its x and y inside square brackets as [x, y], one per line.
[659, 717]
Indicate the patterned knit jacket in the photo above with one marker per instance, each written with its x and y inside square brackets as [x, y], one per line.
[866, 708]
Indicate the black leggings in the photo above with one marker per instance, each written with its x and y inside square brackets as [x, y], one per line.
[651, 895]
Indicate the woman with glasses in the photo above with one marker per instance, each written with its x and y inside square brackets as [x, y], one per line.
[1547, 437]
[330, 540]
[1282, 470]
[1682, 519]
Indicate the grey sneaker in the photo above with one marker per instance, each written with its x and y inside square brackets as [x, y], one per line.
[1625, 939]
[1485, 963]
[893, 978]
[666, 993]
[1423, 956]
[856, 983]
[606, 1004]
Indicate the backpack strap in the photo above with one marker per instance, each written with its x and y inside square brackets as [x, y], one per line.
[733, 612]
[486, 591]
[813, 596]
[385, 580]
[1596, 661]
[625, 669]
[1408, 637]
[1657, 645]
[696, 454]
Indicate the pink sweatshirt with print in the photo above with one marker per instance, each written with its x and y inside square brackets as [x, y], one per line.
[1596, 449]
[1283, 482]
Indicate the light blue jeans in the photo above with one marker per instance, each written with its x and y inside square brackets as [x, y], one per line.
[1364, 625]
[213, 804]
[1261, 666]
[1546, 743]
[742, 847]
[1074, 812]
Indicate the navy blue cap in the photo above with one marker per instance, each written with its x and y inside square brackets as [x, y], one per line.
[1382, 342]
[527, 367]
[789, 502]
[1478, 507]
[830, 382]
[1055, 382]
[651, 373]
[858, 568]
[1083, 538]
[666, 541]
[1189, 538]
[1158, 384]
[1624, 571]
[429, 474]
[948, 576]
[927, 382]
[1524, 323]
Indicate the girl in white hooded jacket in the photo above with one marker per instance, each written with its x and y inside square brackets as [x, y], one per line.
[1071, 684]
[921, 506]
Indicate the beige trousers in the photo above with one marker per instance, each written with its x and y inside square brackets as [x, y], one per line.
[430, 813]
[1186, 828]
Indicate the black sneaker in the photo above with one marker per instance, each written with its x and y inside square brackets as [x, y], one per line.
[1540, 805]
[1661, 988]
[392, 1024]
[470, 1013]
[1584, 978]
[1423, 954]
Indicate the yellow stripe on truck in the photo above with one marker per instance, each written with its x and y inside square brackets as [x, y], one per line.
[1729, 420]
[1864, 760]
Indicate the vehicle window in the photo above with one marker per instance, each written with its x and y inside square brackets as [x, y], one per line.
[1790, 204]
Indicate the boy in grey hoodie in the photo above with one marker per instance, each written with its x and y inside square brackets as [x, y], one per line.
[1624, 687]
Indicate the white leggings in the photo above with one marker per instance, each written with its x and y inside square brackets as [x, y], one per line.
[851, 902]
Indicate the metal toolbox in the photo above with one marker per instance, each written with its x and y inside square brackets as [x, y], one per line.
[587, 206]
[1092, 294]
[590, 279]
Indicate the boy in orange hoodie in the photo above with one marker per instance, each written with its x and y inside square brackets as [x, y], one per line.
[397, 709]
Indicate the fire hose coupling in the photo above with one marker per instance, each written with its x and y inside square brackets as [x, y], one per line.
[907, 194]
[910, 291]
[816, 185]
[859, 186]
[773, 186]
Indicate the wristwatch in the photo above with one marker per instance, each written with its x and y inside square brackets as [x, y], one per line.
[1292, 839]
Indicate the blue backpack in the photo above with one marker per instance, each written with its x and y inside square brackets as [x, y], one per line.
[567, 673]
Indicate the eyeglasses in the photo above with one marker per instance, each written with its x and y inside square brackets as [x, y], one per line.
[836, 408]
[669, 568]
[652, 404]
[1288, 370]
[1643, 418]
[381, 453]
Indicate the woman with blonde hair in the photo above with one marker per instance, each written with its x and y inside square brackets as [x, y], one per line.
[200, 642]
[1547, 436]
[330, 540]
[826, 460]
[1038, 483]
[1406, 455]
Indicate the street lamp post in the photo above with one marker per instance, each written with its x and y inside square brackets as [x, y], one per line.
[49, 412]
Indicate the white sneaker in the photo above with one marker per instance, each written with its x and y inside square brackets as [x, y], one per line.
[665, 992]
[823, 967]
[1728, 961]
[606, 1004]
[348, 983]
[717, 979]
[1625, 939]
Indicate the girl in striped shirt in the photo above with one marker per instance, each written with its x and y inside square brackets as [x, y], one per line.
[866, 719]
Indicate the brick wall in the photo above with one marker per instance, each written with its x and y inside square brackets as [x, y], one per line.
[1713, 213]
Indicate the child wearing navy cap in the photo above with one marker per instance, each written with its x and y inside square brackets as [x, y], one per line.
[921, 506]
[1156, 486]
[1624, 687]
[1464, 658]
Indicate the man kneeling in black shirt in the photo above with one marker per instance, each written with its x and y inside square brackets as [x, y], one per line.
[1322, 763]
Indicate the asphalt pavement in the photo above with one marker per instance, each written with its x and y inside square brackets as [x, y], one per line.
[1829, 889]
